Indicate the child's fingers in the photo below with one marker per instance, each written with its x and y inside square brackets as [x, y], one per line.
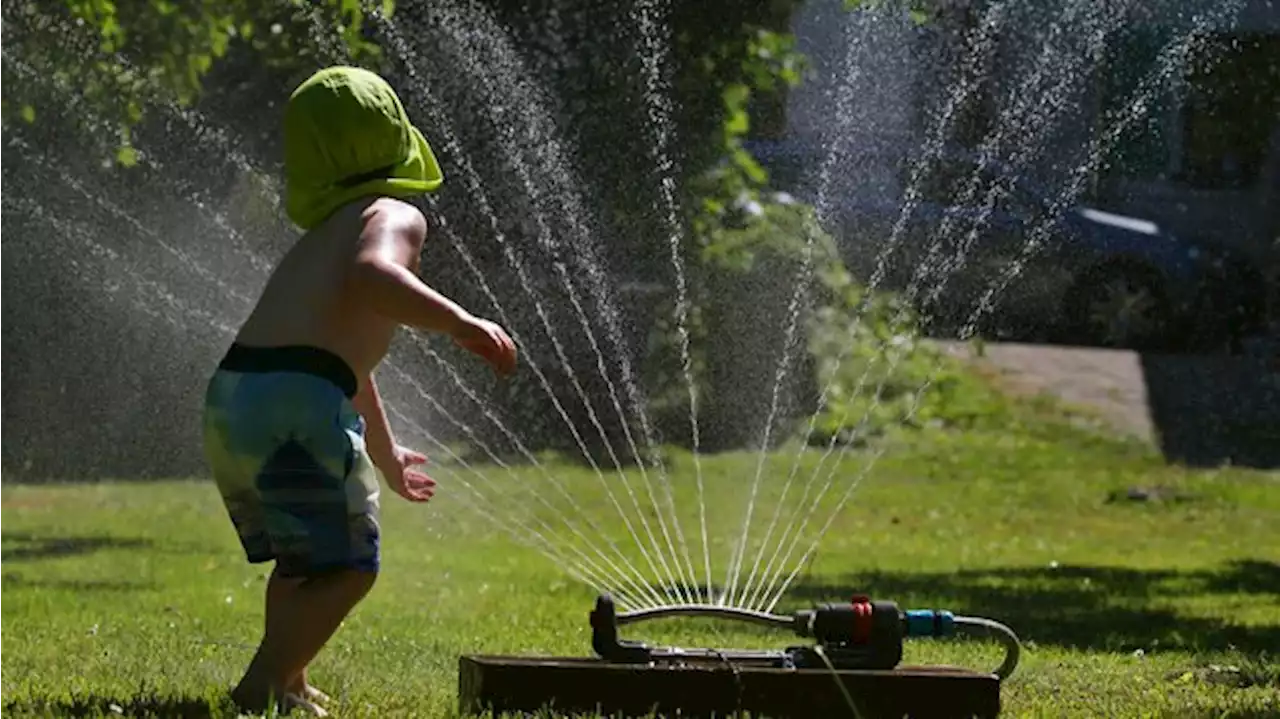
[419, 478]
[510, 356]
[417, 492]
[504, 354]
[505, 357]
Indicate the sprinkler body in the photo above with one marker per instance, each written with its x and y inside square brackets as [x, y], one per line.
[851, 664]
[863, 634]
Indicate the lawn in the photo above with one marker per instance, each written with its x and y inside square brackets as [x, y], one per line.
[124, 596]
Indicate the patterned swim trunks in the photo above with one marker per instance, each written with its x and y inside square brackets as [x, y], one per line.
[287, 451]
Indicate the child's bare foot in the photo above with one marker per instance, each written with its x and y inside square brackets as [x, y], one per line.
[293, 701]
[302, 688]
[316, 695]
[250, 701]
[257, 703]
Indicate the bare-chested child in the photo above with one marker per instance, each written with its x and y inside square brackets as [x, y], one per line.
[293, 424]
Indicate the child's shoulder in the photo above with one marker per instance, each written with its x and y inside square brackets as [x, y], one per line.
[394, 211]
[393, 220]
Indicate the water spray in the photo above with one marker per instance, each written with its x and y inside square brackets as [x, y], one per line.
[851, 666]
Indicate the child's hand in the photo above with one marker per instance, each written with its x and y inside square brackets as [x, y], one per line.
[411, 484]
[490, 342]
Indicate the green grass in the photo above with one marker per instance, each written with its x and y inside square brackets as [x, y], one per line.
[135, 594]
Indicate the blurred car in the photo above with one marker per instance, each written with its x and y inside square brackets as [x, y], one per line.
[1086, 276]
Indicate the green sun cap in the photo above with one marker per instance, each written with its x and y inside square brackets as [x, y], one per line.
[346, 135]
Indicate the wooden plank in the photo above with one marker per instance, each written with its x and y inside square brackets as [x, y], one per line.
[588, 685]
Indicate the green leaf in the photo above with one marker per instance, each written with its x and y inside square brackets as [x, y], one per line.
[127, 156]
[28, 114]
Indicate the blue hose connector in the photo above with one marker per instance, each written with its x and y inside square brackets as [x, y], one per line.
[928, 623]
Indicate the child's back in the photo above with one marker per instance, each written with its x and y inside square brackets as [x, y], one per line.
[314, 298]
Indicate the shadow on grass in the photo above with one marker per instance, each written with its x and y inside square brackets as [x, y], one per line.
[30, 547]
[18, 581]
[179, 707]
[1079, 607]
[1214, 410]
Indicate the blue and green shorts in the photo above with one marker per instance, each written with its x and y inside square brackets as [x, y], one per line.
[288, 455]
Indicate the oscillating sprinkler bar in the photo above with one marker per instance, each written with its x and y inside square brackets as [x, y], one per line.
[862, 634]
[704, 610]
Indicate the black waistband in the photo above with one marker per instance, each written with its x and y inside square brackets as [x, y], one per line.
[294, 358]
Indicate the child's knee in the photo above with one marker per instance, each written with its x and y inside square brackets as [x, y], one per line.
[347, 586]
[351, 582]
[354, 584]
[361, 581]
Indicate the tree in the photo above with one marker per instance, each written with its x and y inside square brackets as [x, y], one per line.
[105, 371]
[120, 56]
[718, 64]
[96, 74]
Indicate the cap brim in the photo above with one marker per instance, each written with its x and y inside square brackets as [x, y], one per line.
[420, 174]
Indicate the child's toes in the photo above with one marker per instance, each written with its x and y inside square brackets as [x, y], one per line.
[293, 701]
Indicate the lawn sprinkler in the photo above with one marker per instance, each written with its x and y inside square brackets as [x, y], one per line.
[851, 668]
[862, 634]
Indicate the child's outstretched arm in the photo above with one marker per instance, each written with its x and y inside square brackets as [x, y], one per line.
[393, 460]
[381, 443]
[382, 276]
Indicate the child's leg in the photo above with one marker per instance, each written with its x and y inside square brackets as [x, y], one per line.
[289, 455]
[320, 502]
[279, 591]
[302, 617]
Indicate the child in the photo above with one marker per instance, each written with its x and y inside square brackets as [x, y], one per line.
[293, 423]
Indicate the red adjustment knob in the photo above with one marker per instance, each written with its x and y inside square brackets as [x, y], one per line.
[862, 611]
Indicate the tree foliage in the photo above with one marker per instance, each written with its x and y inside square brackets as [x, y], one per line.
[96, 68]
[671, 107]
[119, 56]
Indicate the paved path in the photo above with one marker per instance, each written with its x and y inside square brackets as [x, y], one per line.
[1111, 382]
[1202, 410]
